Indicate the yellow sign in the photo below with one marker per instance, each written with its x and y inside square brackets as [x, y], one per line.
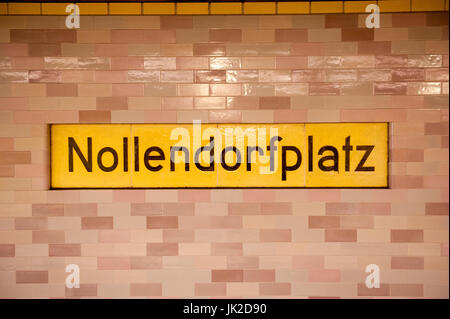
[219, 155]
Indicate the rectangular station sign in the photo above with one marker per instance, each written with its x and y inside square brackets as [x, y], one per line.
[312, 155]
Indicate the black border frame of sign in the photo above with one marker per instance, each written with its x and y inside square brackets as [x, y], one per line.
[388, 124]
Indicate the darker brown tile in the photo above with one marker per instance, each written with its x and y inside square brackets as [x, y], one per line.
[218, 76]
[274, 102]
[436, 128]
[113, 263]
[15, 157]
[30, 223]
[382, 291]
[62, 89]
[324, 89]
[437, 18]
[374, 47]
[436, 101]
[407, 262]
[225, 275]
[178, 235]
[61, 36]
[243, 103]
[308, 76]
[27, 36]
[357, 34]
[177, 22]
[85, 290]
[45, 76]
[391, 61]
[162, 249]
[104, 222]
[178, 209]
[426, 33]
[242, 262]
[407, 155]
[341, 20]
[291, 35]
[407, 235]
[7, 250]
[390, 88]
[445, 33]
[275, 235]
[159, 222]
[225, 35]
[13, 49]
[146, 262]
[276, 208]
[95, 116]
[340, 235]
[31, 277]
[408, 75]
[244, 208]
[226, 222]
[127, 36]
[436, 209]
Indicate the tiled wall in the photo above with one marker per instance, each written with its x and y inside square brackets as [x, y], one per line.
[240, 242]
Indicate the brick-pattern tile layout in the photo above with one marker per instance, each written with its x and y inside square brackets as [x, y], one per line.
[237, 242]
